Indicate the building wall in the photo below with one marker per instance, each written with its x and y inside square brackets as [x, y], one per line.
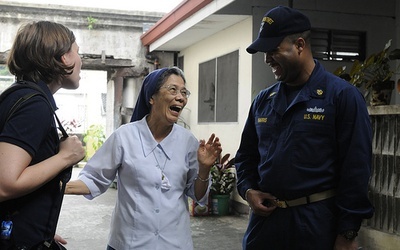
[254, 75]
[210, 48]
[84, 105]
[380, 26]
[217, 45]
[115, 32]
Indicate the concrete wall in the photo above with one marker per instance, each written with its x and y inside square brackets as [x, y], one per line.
[214, 46]
[382, 231]
[115, 32]
[210, 48]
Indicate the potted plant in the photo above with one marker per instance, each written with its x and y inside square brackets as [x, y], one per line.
[374, 75]
[223, 177]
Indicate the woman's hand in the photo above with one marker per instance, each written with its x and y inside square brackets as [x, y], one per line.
[60, 239]
[77, 187]
[206, 155]
[71, 150]
[208, 152]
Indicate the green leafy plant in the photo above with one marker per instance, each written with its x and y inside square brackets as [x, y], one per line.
[373, 72]
[91, 22]
[223, 175]
[94, 137]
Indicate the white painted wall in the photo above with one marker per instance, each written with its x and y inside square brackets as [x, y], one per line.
[217, 45]
[84, 103]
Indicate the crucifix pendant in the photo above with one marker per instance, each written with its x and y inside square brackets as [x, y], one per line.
[165, 185]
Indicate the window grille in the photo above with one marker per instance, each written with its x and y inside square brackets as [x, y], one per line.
[338, 45]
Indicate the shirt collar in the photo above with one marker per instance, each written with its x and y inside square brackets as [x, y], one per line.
[149, 143]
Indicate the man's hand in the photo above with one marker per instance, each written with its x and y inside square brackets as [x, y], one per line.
[343, 244]
[262, 204]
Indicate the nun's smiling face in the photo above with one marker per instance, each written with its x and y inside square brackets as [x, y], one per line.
[169, 101]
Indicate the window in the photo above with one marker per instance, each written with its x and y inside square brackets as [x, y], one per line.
[338, 45]
[218, 89]
[180, 63]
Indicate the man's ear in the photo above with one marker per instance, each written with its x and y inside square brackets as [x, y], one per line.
[151, 101]
[300, 44]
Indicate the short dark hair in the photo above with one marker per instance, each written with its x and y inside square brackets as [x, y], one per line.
[37, 50]
[306, 35]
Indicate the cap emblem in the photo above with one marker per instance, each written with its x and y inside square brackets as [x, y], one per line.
[268, 20]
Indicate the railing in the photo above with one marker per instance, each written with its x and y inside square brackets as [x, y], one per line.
[385, 180]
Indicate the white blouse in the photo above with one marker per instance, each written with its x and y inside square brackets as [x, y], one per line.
[154, 180]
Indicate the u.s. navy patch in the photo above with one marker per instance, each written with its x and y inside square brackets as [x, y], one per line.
[315, 113]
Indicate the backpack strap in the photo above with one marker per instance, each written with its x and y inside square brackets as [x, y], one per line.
[14, 108]
[25, 84]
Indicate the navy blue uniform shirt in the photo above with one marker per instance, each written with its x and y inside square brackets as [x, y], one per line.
[32, 128]
[321, 141]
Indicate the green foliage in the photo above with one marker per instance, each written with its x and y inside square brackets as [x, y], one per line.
[223, 175]
[374, 71]
[4, 71]
[94, 138]
[91, 22]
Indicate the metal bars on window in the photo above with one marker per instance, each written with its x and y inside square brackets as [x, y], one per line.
[338, 45]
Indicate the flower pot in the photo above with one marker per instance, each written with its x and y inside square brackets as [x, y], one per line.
[220, 204]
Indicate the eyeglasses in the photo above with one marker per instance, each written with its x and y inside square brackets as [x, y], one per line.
[174, 91]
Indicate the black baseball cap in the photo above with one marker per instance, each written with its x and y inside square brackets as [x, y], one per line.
[276, 24]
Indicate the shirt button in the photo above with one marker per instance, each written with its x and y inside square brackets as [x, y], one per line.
[157, 210]
[156, 233]
[157, 186]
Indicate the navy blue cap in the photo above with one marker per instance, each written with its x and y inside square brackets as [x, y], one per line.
[276, 24]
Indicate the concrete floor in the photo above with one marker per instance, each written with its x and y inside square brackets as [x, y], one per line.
[84, 224]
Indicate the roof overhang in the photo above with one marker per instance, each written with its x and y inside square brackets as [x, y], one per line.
[188, 23]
